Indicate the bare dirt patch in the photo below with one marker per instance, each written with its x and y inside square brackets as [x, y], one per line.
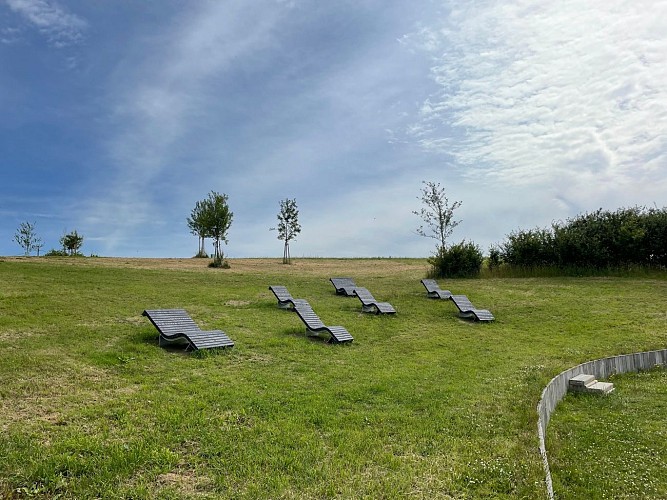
[186, 482]
[237, 303]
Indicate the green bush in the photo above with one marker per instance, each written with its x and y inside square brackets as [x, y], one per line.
[495, 257]
[601, 240]
[462, 260]
[529, 248]
[219, 262]
[56, 253]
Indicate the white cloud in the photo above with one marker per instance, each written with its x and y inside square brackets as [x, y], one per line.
[567, 95]
[10, 35]
[61, 27]
[160, 95]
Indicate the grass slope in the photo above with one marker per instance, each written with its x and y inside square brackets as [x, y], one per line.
[421, 403]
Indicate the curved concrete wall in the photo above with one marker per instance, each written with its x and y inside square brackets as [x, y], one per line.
[601, 369]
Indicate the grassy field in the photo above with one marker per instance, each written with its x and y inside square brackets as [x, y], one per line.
[421, 404]
[619, 441]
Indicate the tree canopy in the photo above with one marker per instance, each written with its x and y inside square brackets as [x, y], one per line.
[197, 225]
[218, 220]
[436, 213]
[72, 242]
[27, 238]
[211, 218]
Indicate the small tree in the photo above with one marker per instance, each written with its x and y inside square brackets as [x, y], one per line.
[288, 225]
[437, 214]
[72, 242]
[38, 245]
[217, 220]
[197, 225]
[27, 238]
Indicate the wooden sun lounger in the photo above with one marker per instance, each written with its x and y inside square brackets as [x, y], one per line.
[315, 326]
[463, 304]
[467, 310]
[343, 286]
[434, 291]
[370, 305]
[175, 326]
[285, 299]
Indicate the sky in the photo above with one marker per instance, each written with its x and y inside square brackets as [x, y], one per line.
[117, 117]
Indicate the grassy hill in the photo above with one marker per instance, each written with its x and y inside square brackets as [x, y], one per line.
[421, 404]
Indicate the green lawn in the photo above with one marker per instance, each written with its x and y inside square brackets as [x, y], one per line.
[620, 441]
[421, 404]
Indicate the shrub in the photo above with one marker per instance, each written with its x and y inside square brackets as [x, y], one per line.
[219, 262]
[462, 260]
[600, 240]
[529, 248]
[495, 258]
[56, 253]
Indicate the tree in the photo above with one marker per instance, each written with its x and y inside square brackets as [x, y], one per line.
[72, 242]
[211, 218]
[217, 220]
[38, 245]
[27, 238]
[288, 225]
[437, 214]
[197, 225]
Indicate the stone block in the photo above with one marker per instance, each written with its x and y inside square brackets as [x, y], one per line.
[581, 381]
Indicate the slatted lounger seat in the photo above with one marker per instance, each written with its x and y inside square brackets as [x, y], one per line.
[467, 310]
[434, 291]
[315, 326]
[343, 286]
[370, 305]
[285, 299]
[176, 327]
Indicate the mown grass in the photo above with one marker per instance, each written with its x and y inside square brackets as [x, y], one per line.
[421, 404]
[614, 446]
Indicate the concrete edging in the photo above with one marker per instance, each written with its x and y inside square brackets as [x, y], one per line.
[601, 369]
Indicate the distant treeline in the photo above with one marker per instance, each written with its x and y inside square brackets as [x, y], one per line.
[599, 240]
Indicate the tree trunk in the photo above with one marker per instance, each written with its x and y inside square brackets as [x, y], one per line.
[202, 244]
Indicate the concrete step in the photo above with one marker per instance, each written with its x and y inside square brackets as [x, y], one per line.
[581, 381]
[600, 387]
[587, 383]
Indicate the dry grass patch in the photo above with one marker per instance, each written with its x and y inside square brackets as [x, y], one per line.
[304, 266]
[186, 483]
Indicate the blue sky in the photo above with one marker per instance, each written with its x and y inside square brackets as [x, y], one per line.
[118, 116]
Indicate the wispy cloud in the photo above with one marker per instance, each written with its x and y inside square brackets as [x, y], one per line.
[160, 100]
[564, 93]
[9, 35]
[60, 27]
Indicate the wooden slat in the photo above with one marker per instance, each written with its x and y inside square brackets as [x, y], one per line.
[340, 334]
[343, 286]
[434, 291]
[285, 299]
[462, 302]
